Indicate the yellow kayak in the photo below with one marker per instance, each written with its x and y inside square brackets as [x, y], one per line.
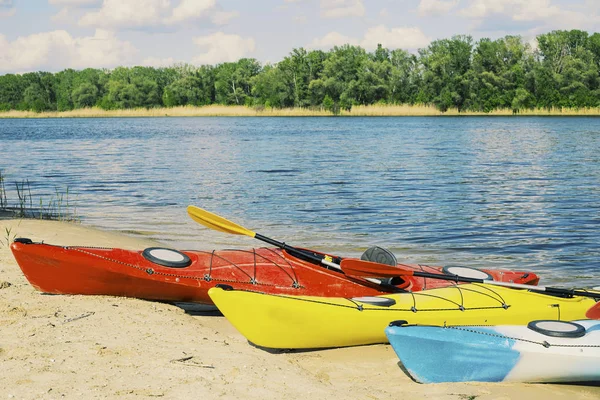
[303, 322]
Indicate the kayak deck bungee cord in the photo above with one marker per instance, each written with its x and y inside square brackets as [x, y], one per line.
[302, 322]
[171, 275]
[542, 351]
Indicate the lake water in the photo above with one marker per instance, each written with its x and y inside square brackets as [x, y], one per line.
[487, 192]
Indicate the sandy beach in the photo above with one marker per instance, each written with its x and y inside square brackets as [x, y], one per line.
[100, 347]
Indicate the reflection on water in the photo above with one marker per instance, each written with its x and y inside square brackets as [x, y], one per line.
[494, 192]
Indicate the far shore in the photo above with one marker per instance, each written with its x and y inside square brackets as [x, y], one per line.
[244, 111]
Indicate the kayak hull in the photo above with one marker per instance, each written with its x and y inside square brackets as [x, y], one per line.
[119, 272]
[304, 322]
[433, 354]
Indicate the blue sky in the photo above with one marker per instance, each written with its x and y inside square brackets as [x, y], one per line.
[52, 35]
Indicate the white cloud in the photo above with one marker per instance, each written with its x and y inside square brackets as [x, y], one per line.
[330, 40]
[483, 8]
[342, 8]
[223, 17]
[58, 50]
[532, 10]
[127, 14]
[394, 38]
[74, 3]
[136, 14]
[221, 47]
[436, 7]
[63, 16]
[517, 9]
[188, 9]
[159, 62]
[541, 11]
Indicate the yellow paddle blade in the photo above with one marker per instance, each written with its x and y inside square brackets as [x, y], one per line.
[216, 222]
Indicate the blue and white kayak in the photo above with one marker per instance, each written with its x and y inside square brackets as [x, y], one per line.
[542, 351]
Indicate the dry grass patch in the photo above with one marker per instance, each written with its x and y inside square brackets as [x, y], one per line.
[401, 110]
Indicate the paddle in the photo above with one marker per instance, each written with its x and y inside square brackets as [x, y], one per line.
[593, 312]
[218, 223]
[221, 224]
[356, 267]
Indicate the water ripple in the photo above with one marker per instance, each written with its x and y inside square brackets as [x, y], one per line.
[496, 192]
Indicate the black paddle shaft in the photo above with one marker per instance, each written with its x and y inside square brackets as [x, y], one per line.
[318, 259]
[302, 254]
[548, 290]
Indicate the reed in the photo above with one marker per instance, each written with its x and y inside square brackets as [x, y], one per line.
[9, 237]
[23, 193]
[3, 200]
[57, 207]
[404, 110]
[183, 111]
[379, 110]
[425, 110]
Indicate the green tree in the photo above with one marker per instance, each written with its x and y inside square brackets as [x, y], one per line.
[64, 89]
[446, 65]
[593, 45]
[339, 78]
[133, 87]
[233, 81]
[186, 91]
[567, 72]
[404, 77]
[269, 88]
[35, 98]
[11, 91]
[85, 95]
[522, 100]
[498, 69]
[329, 104]
[293, 76]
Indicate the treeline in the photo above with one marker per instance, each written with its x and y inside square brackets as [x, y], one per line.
[563, 71]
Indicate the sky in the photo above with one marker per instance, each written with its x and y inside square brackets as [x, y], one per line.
[52, 35]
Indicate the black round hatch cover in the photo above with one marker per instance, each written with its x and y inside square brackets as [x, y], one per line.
[166, 257]
[557, 328]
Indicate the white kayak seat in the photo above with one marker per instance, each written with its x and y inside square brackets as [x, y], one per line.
[379, 255]
[166, 257]
[554, 328]
[467, 272]
[375, 301]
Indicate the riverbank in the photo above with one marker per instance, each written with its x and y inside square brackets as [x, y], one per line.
[242, 111]
[120, 348]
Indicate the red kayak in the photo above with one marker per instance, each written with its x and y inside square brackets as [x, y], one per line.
[171, 275]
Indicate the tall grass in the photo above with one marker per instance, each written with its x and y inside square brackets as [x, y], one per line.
[184, 111]
[9, 237]
[24, 193]
[57, 207]
[243, 111]
[3, 200]
[430, 110]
